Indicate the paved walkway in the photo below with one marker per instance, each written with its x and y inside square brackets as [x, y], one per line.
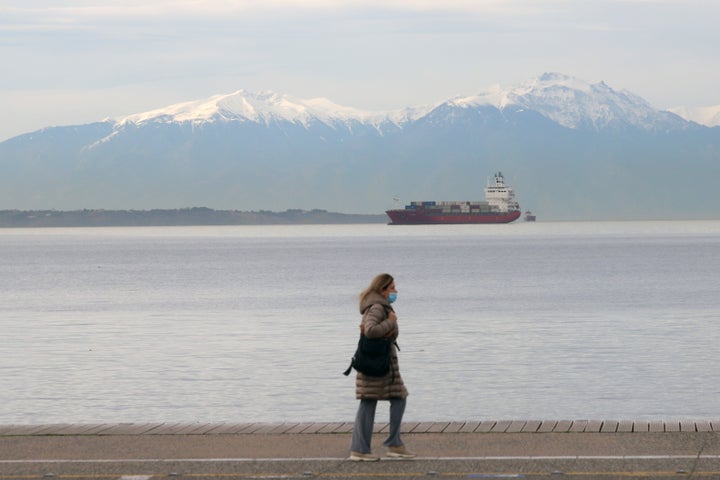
[499, 449]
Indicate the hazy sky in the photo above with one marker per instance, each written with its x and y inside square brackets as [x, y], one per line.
[67, 62]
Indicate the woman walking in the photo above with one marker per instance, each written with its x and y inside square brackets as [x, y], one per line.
[379, 320]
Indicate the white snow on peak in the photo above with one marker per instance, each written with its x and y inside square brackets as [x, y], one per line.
[567, 100]
[573, 103]
[543, 86]
[261, 107]
[495, 96]
[406, 115]
[708, 116]
[552, 80]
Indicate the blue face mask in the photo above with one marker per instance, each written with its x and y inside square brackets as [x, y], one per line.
[392, 297]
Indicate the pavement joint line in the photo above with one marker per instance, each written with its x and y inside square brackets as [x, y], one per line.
[512, 458]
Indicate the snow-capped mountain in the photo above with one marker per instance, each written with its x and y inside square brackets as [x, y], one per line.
[268, 107]
[571, 149]
[263, 107]
[576, 104]
[566, 100]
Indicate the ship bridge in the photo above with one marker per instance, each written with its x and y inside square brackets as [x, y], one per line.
[501, 196]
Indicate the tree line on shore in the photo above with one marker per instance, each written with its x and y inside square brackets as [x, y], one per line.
[177, 217]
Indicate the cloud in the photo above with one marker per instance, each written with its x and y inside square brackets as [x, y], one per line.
[112, 17]
[372, 54]
[71, 12]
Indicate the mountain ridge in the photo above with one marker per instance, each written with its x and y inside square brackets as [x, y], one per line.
[601, 107]
[571, 150]
[543, 93]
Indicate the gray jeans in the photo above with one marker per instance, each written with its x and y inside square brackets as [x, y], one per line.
[365, 420]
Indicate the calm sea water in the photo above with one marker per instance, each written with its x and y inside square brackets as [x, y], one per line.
[521, 321]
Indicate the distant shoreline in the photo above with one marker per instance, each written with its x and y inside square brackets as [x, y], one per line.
[195, 216]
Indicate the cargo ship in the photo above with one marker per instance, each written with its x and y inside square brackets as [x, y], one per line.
[499, 207]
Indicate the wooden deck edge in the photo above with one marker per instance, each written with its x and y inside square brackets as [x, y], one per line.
[456, 427]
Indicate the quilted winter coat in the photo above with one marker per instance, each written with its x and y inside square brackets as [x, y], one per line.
[375, 324]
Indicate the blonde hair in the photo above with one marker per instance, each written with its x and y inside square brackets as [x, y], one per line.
[379, 283]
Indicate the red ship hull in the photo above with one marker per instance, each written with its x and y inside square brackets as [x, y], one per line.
[419, 217]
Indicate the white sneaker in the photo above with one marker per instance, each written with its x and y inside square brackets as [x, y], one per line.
[400, 452]
[363, 457]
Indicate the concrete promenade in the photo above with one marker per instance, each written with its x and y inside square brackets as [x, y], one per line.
[600, 449]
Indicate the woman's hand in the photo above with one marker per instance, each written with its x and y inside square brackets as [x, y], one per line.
[392, 316]
[392, 333]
